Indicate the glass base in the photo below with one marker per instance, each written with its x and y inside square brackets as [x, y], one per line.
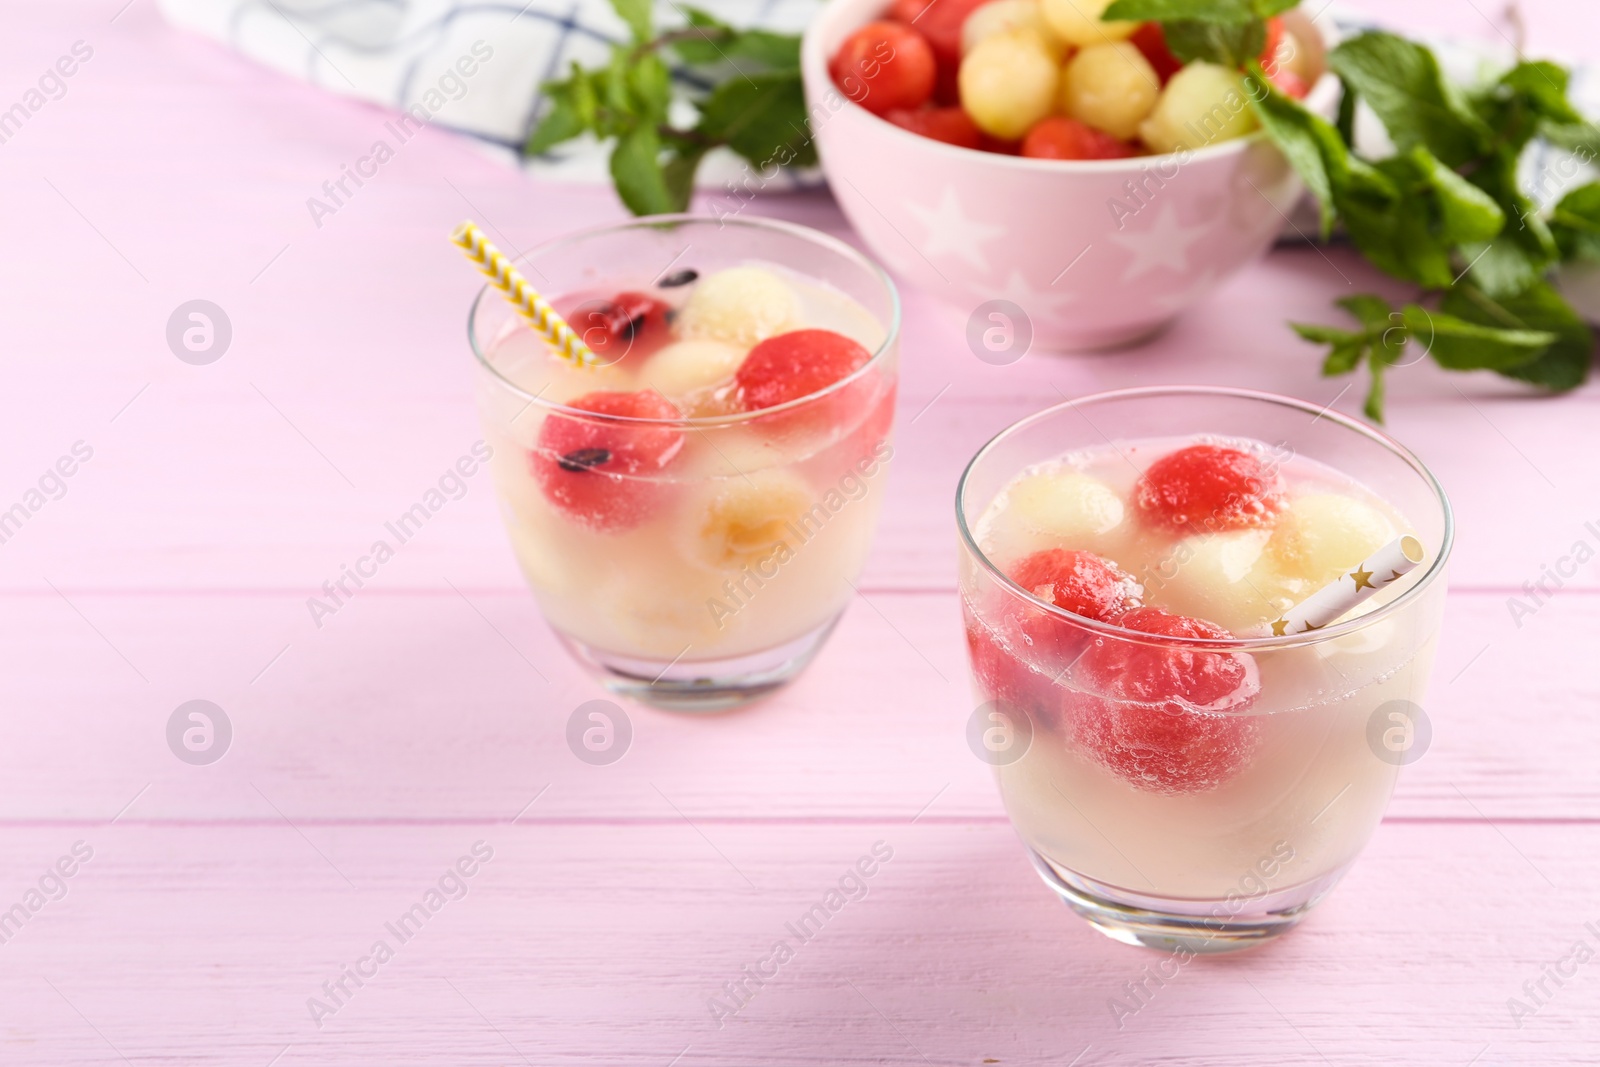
[1172, 924]
[702, 685]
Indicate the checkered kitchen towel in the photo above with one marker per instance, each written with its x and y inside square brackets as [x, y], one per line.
[472, 65]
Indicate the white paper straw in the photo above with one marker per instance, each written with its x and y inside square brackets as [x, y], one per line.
[1384, 567]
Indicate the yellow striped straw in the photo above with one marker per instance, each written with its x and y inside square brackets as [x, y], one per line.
[522, 296]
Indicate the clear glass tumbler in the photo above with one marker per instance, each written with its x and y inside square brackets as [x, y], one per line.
[1282, 790]
[708, 569]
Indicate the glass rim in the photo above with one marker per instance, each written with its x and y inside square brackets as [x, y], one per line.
[1233, 644]
[805, 233]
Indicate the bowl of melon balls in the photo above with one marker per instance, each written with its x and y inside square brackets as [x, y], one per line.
[1065, 180]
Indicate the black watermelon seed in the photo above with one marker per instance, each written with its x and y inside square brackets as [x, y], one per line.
[677, 278]
[584, 458]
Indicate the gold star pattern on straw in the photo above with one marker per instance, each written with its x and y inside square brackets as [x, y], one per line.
[1327, 605]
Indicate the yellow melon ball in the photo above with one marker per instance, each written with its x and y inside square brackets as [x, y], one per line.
[739, 306]
[1321, 535]
[1218, 577]
[746, 520]
[683, 367]
[1078, 22]
[1203, 104]
[1111, 87]
[1058, 508]
[1008, 83]
[1071, 507]
[1007, 16]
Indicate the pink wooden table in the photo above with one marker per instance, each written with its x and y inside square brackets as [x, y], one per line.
[368, 755]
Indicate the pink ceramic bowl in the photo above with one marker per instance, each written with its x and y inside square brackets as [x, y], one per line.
[1096, 253]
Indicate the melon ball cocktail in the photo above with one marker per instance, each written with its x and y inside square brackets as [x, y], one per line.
[1187, 767]
[693, 505]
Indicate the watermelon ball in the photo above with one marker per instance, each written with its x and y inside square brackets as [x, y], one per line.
[1063, 138]
[884, 66]
[1164, 718]
[951, 125]
[616, 326]
[908, 11]
[1080, 582]
[1289, 83]
[1274, 39]
[1007, 678]
[796, 364]
[939, 21]
[1207, 488]
[602, 474]
[1149, 39]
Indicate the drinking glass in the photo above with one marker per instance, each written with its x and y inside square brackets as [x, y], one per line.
[741, 547]
[1226, 861]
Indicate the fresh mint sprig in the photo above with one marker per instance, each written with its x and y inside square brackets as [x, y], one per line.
[1443, 212]
[743, 88]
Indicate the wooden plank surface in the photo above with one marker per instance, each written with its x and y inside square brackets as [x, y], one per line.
[605, 944]
[428, 714]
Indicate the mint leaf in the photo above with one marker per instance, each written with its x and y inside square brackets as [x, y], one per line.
[636, 13]
[1466, 213]
[1225, 44]
[678, 173]
[762, 118]
[1343, 358]
[1312, 147]
[1345, 348]
[1326, 335]
[637, 173]
[1380, 342]
[710, 46]
[1373, 408]
[722, 43]
[1374, 312]
[561, 122]
[1575, 223]
[775, 50]
[1565, 364]
[650, 88]
[1528, 100]
[1544, 86]
[1458, 344]
[1385, 327]
[1398, 232]
[1403, 84]
[1346, 120]
[1574, 137]
[1522, 252]
[1213, 11]
[1217, 11]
